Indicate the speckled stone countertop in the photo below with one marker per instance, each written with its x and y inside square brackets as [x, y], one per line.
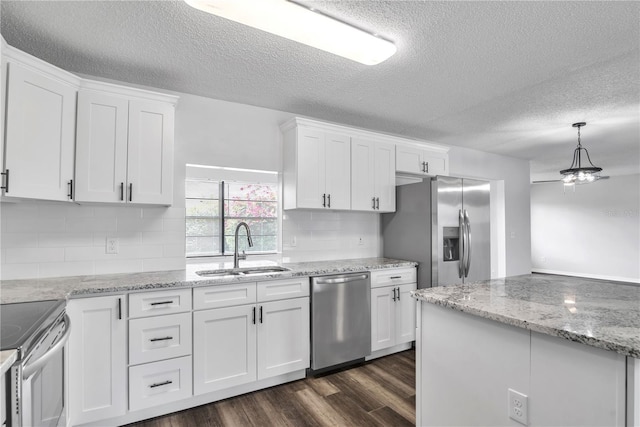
[12, 291]
[600, 313]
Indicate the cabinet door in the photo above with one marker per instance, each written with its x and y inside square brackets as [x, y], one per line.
[382, 318]
[101, 148]
[310, 168]
[40, 135]
[408, 160]
[97, 359]
[283, 337]
[363, 175]
[385, 177]
[338, 171]
[224, 348]
[436, 163]
[150, 153]
[405, 314]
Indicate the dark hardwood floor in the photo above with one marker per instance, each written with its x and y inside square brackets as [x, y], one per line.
[379, 393]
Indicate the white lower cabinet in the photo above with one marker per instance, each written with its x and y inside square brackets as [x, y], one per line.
[393, 310]
[97, 358]
[157, 383]
[241, 344]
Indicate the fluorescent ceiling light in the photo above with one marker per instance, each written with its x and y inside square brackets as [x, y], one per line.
[293, 21]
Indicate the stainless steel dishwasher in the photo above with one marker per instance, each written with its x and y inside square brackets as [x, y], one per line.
[340, 319]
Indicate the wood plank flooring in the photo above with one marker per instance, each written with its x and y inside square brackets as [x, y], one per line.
[378, 393]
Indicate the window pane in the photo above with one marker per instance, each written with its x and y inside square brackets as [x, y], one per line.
[203, 227]
[248, 191]
[199, 207]
[200, 246]
[197, 189]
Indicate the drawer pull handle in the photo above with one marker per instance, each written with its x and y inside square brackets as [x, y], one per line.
[161, 303]
[161, 339]
[395, 277]
[160, 384]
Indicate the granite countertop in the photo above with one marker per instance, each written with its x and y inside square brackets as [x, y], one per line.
[7, 358]
[13, 291]
[600, 313]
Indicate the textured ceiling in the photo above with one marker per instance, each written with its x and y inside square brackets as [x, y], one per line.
[504, 77]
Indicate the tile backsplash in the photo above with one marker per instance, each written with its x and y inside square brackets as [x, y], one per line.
[45, 239]
[48, 239]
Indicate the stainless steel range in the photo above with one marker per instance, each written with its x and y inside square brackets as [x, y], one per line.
[38, 331]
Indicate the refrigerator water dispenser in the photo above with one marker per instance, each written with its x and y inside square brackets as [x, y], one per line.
[450, 244]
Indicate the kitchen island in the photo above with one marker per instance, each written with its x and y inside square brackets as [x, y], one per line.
[570, 346]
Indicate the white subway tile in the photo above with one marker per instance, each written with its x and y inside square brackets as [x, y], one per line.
[91, 224]
[127, 238]
[164, 264]
[129, 212]
[84, 253]
[139, 224]
[163, 237]
[19, 240]
[64, 239]
[29, 225]
[19, 271]
[50, 269]
[118, 266]
[174, 225]
[34, 255]
[24, 210]
[173, 251]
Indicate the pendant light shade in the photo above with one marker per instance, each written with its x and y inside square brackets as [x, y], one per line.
[578, 174]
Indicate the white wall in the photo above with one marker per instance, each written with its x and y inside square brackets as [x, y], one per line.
[514, 174]
[592, 232]
[44, 239]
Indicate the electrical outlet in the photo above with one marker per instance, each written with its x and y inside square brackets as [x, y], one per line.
[294, 241]
[360, 241]
[517, 406]
[112, 245]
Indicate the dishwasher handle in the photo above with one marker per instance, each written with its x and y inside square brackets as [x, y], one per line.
[340, 279]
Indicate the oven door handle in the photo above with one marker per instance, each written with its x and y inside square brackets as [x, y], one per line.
[33, 367]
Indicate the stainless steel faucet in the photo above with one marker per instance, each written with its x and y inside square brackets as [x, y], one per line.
[237, 257]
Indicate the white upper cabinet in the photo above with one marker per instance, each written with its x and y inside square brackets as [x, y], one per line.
[421, 161]
[329, 166]
[317, 169]
[39, 129]
[124, 150]
[373, 176]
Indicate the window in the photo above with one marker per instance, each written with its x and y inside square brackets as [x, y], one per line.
[214, 208]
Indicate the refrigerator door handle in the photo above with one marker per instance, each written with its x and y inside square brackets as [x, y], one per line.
[467, 258]
[461, 235]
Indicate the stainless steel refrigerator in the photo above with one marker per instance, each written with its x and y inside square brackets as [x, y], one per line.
[444, 225]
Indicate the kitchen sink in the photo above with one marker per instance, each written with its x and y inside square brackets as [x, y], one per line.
[247, 271]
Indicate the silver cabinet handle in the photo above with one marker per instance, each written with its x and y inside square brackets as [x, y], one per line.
[394, 294]
[161, 384]
[461, 237]
[467, 226]
[395, 277]
[398, 294]
[254, 315]
[324, 200]
[119, 308]
[70, 193]
[260, 314]
[5, 187]
[161, 339]
[341, 279]
[130, 192]
[122, 191]
[162, 302]
[378, 203]
[328, 200]
[373, 202]
[426, 167]
[33, 367]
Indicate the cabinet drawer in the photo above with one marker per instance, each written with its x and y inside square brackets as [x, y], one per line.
[159, 383]
[283, 289]
[224, 295]
[159, 302]
[398, 276]
[160, 337]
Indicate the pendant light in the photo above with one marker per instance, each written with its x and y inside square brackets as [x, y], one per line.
[305, 25]
[577, 174]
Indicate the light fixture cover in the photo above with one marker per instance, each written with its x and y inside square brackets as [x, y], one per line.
[295, 22]
[577, 174]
